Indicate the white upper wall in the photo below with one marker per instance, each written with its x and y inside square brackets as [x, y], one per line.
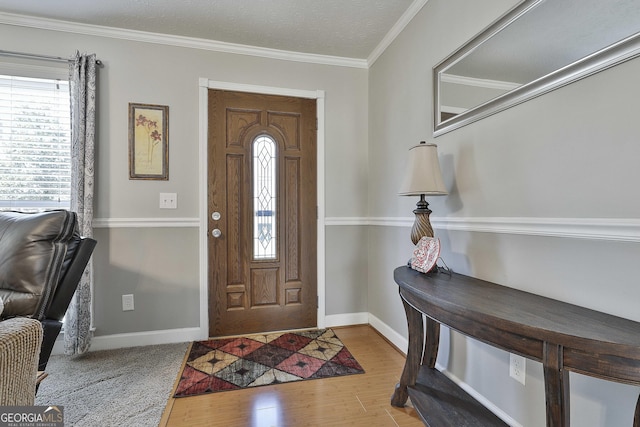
[152, 73]
[570, 154]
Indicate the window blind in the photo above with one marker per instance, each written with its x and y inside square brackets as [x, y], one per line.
[35, 144]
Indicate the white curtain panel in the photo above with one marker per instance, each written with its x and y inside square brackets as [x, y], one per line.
[82, 86]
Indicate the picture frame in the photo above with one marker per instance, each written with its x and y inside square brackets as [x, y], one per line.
[148, 141]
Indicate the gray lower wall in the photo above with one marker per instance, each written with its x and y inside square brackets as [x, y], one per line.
[164, 277]
[159, 266]
[566, 269]
[533, 263]
[389, 247]
[346, 269]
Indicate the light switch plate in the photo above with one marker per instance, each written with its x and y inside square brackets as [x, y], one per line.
[168, 200]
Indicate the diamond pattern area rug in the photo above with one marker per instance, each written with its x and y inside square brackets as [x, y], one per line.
[264, 359]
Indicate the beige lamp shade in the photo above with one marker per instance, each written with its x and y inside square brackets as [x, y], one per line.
[423, 174]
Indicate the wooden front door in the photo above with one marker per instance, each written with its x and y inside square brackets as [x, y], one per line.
[262, 213]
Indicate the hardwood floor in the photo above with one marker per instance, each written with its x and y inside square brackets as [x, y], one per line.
[355, 400]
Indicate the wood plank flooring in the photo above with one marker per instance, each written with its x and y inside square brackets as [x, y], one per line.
[355, 400]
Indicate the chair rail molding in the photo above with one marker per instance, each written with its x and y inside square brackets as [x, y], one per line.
[614, 229]
[145, 222]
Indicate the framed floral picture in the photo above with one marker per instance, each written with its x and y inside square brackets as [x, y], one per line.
[148, 141]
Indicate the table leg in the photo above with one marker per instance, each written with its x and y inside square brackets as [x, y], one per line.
[636, 418]
[431, 344]
[414, 352]
[556, 385]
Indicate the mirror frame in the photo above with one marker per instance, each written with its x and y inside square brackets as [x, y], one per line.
[607, 57]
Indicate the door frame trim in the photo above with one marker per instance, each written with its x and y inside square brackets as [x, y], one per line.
[319, 95]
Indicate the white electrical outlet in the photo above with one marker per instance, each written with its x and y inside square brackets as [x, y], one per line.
[517, 367]
[127, 302]
[168, 200]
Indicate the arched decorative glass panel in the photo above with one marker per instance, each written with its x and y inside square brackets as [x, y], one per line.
[264, 198]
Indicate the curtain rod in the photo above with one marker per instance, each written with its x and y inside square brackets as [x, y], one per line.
[41, 57]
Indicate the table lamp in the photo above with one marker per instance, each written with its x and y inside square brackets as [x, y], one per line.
[423, 178]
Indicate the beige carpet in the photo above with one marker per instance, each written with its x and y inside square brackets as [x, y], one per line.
[125, 387]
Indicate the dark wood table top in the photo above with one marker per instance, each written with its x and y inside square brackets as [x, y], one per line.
[523, 313]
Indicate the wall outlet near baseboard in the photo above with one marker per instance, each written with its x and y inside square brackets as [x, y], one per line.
[517, 367]
[127, 302]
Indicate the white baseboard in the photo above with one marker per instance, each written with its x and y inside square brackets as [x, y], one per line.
[480, 398]
[395, 338]
[346, 319]
[135, 339]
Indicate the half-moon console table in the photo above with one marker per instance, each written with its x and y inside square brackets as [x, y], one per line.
[562, 336]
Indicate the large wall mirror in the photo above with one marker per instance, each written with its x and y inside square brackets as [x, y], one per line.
[536, 47]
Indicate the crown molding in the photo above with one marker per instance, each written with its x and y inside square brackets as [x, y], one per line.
[484, 83]
[178, 41]
[404, 20]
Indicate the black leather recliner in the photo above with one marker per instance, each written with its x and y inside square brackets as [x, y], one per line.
[42, 258]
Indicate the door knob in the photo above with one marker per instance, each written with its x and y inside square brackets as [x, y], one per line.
[215, 216]
[216, 233]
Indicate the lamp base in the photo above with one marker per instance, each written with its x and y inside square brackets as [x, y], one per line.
[421, 225]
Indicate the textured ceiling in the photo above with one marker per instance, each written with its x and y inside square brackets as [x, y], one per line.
[344, 28]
